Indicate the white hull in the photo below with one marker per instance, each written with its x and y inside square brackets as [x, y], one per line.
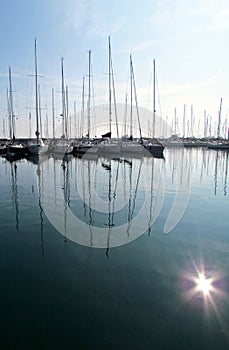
[62, 149]
[132, 148]
[86, 148]
[109, 148]
[37, 149]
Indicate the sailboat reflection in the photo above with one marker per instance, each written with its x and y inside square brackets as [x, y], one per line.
[220, 171]
[38, 160]
[101, 202]
[225, 173]
[14, 187]
[66, 190]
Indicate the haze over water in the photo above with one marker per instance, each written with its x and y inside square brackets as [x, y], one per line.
[142, 293]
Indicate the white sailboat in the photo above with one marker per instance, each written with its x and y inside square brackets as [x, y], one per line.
[14, 148]
[129, 145]
[37, 147]
[108, 145]
[85, 145]
[154, 146]
[219, 144]
[63, 146]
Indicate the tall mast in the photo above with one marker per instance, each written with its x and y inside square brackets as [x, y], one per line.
[205, 123]
[11, 106]
[219, 121]
[75, 120]
[89, 94]
[184, 116]
[53, 115]
[131, 98]
[191, 121]
[36, 92]
[136, 102]
[109, 77]
[82, 111]
[4, 127]
[154, 94]
[175, 120]
[66, 116]
[125, 114]
[115, 109]
[39, 107]
[9, 114]
[30, 126]
[63, 98]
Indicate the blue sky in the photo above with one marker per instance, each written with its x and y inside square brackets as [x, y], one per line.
[188, 39]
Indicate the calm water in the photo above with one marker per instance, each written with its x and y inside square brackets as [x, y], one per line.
[104, 253]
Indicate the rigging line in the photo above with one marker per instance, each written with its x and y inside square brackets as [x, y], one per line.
[226, 174]
[136, 189]
[136, 102]
[129, 202]
[90, 224]
[41, 211]
[115, 192]
[135, 196]
[158, 97]
[93, 100]
[114, 97]
[151, 198]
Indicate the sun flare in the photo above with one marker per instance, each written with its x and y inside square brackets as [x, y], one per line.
[203, 284]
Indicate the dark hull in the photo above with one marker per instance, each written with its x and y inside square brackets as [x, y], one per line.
[156, 150]
[17, 151]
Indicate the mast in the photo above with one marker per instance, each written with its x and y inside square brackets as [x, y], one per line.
[191, 121]
[4, 127]
[131, 99]
[154, 94]
[11, 110]
[219, 121]
[136, 102]
[75, 120]
[89, 95]
[205, 123]
[66, 115]
[30, 126]
[125, 114]
[115, 109]
[53, 115]
[36, 92]
[184, 115]
[82, 111]
[175, 120]
[109, 77]
[39, 104]
[9, 115]
[63, 98]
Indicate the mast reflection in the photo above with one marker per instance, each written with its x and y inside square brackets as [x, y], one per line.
[14, 188]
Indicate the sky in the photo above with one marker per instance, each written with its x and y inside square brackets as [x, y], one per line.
[187, 38]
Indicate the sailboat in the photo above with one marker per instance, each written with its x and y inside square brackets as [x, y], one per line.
[3, 149]
[14, 149]
[154, 146]
[85, 145]
[37, 147]
[128, 144]
[107, 145]
[219, 144]
[63, 146]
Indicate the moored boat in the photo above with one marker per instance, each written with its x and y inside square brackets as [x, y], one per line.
[38, 147]
[17, 149]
